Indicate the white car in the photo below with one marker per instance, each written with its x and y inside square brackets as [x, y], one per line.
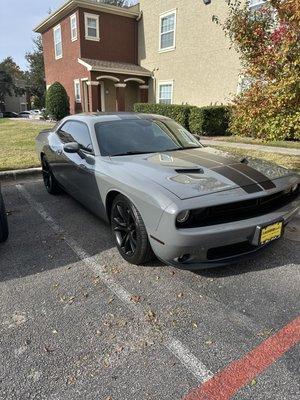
[36, 114]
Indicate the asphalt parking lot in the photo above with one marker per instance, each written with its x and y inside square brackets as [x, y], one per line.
[78, 322]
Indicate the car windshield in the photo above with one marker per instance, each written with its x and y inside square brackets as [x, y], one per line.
[141, 136]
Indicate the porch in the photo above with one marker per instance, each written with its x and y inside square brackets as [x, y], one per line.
[113, 86]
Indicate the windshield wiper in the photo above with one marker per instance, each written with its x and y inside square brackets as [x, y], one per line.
[182, 148]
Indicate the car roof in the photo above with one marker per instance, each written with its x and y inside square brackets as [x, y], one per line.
[112, 116]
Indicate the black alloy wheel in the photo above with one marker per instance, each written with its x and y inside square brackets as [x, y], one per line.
[49, 181]
[130, 232]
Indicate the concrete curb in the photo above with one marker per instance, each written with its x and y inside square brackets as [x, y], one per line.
[18, 174]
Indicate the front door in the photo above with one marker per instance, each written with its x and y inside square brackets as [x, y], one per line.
[77, 170]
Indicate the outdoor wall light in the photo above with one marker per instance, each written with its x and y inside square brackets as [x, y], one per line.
[206, 2]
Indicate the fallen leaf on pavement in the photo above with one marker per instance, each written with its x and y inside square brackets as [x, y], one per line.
[47, 349]
[135, 299]
[151, 315]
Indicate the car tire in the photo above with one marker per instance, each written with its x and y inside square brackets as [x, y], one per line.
[3, 221]
[50, 182]
[130, 232]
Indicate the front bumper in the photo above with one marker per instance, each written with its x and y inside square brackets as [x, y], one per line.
[213, 246]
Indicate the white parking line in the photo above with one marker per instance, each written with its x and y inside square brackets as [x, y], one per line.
[174, 346]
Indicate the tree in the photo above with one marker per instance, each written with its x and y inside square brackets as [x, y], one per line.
[10, 77]
[6, 85]
[268, 42]
[57, 101]
[35, 77]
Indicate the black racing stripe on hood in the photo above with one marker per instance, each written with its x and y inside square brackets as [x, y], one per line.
[257, 176]
[239, 179]
[229, 171]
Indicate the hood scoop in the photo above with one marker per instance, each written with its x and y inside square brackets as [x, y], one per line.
[189, 171]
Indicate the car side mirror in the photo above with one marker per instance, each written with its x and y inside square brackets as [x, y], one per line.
[72, 147]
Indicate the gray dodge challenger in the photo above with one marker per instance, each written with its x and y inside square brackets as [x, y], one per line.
[163, 192]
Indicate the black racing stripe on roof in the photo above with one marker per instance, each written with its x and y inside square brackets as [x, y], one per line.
[257, 176]
[239, 179]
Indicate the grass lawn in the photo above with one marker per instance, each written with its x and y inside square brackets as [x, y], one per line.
[17, 143]
[291, 162]
[239, 139]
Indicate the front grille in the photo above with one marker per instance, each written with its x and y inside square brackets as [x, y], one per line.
[238, 211]
[218, 253]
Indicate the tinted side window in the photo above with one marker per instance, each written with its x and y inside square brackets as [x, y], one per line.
[73, 131]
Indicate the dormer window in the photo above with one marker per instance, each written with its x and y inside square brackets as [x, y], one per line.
[57, 42]
[92, 26]
[73, 23]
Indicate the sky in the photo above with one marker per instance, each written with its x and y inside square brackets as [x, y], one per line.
[17, 20]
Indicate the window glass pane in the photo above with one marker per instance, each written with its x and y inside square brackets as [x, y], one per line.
[167, 40]
[168, 23]
[92, 32]
[73, 131]
[165, 94]
[91, 22]
[77, 91]
[57, 35]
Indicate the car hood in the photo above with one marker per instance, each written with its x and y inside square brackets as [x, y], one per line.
[197, 172]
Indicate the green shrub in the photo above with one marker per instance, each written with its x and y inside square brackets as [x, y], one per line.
[180, 113]
[57, 101]
[209, 121]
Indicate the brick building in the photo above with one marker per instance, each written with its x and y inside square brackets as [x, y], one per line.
[91, 49]
[165, 51]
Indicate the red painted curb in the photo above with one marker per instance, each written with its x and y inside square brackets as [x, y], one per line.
[239, 373]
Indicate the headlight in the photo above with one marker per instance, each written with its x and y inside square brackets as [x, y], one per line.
[183, 216]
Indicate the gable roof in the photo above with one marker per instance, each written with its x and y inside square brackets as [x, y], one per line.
[71, 5]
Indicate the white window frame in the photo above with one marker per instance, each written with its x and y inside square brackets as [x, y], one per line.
[161, 17]
[96, 17]
[77, 82]
[57, 27]
[163, 83]
[74, 18]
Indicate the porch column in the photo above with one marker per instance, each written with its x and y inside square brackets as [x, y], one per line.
[120, 96]
[93, 95]
[144, 90]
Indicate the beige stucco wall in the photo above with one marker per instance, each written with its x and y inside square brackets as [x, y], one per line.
[202, 67]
